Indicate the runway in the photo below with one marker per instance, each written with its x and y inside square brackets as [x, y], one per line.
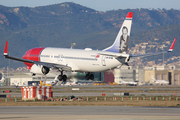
[88, 112]
[97, 94]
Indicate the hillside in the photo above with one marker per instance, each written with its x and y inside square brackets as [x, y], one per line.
[61, 24]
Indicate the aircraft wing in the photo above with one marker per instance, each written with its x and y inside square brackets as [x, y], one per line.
[49, 65]
[54, 65]
[156, 53]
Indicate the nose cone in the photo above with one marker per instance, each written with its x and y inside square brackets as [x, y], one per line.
[32, 54]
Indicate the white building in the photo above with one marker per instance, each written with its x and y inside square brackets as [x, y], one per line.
[25, 79]
[129, 74]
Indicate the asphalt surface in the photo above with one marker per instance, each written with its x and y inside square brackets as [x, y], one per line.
[88, 112]
[92, 112]
[97, 90]
[96, 94]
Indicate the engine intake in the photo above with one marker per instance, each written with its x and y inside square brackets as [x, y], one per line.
[39, 69]
[45, 70]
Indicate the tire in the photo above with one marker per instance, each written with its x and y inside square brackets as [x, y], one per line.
[91, 76]
[64, 77]
[87, 76]
[60, 77]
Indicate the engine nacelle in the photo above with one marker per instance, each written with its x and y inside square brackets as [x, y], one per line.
[45, 70]
[39, 69]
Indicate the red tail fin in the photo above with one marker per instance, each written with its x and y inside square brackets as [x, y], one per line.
[6, 48]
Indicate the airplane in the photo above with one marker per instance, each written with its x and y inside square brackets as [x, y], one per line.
[2, 78]
[160, 82]
[133, 83]
[43, 60]
[127, 82]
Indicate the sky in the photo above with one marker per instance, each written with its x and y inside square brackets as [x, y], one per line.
[99, 5]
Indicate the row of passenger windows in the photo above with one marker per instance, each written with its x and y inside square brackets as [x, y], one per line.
[79, 58]
[45, 55]
[67, 57]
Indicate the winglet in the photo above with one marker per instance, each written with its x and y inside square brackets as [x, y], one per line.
[6, 48]
[172, 46]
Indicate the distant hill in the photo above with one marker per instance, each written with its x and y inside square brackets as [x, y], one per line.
[61, 24]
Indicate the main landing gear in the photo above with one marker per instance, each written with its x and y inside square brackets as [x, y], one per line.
[89, 76]
[62, 77]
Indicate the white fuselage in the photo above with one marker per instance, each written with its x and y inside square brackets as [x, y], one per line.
[127, 82]
[80, 60]
[161, 82]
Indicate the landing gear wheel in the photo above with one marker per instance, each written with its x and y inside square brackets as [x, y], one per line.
[64, 77]
[87, 76]
[60, 77]
[91, 76]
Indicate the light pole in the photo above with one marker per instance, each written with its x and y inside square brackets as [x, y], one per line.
[9, 72]
[163, 57]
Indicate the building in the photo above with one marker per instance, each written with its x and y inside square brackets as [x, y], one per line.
[168, 73]
[26, 79]
[142, 74]
[125, 73]
[139, 74]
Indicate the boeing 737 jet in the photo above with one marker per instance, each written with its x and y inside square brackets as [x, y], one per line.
[48, 59]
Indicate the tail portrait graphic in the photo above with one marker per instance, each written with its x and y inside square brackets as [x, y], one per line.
[124, 40]
[120, 44]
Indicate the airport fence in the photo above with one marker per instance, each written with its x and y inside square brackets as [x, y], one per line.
[100, 98]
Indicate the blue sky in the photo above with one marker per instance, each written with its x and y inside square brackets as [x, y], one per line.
[100, 5]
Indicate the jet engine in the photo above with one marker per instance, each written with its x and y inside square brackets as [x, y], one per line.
[39, 69]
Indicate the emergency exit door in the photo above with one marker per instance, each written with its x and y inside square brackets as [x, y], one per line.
[103, 60]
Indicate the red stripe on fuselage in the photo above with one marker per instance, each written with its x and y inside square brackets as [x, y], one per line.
[32, 54]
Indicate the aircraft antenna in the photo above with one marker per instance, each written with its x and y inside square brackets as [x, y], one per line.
[72, 45]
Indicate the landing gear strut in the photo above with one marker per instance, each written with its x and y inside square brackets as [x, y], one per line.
[89, 76]
[62, 77]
